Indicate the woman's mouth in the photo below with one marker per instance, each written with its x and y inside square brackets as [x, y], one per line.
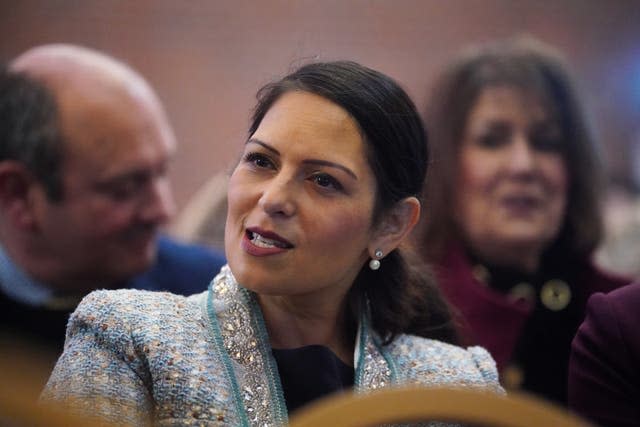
[521, 204]
[265, 242]
[261, 242]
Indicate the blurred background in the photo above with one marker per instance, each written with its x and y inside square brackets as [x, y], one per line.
[207, 58]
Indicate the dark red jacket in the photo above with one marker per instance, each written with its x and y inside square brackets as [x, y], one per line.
[516, 333]
[604, 369]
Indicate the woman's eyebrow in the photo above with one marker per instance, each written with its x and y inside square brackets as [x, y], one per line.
[264, 144]
[332, 165]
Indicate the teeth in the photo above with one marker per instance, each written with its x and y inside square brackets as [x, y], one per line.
[263, 242]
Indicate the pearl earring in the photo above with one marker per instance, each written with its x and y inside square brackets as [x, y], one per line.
[374, 264]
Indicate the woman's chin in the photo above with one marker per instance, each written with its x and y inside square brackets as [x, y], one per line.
[514, 249]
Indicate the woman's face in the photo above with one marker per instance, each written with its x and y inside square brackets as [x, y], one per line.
[512, 184]
[300, 201]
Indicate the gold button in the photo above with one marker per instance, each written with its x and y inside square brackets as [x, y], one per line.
[555, 295]
[481, 274]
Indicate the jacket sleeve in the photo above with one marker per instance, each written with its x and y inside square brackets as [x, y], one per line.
[603, 376]
[434, 363]
[487, 367]
[100, 373]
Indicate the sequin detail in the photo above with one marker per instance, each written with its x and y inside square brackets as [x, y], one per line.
[376, 371]
[244, 344]
[132, 355]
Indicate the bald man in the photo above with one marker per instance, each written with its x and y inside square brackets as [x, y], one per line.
[84, 150]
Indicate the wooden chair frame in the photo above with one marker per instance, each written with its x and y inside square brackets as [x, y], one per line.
[414, 404]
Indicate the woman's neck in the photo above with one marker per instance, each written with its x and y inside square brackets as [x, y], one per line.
[524, 259]
[297, 322]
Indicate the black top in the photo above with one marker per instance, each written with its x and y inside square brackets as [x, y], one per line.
[540, 359]
[31, 336]
[33, 323]
[308, 373]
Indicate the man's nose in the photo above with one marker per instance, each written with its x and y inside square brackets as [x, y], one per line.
[159, 205]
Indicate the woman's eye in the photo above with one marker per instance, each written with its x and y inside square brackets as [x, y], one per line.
[258, 160]
[326, 181]
[494, 138]
[547, 140]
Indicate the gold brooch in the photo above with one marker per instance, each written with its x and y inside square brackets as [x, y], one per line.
[555, 294]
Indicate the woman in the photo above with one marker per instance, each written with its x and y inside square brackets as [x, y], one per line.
[317, 295]
[513, 214]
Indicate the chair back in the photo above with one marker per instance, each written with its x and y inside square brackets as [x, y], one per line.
[420, 404]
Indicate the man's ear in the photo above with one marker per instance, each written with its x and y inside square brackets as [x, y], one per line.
[16, 185]
[395, 226]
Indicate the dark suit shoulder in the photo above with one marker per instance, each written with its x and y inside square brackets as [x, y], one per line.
[180, 268]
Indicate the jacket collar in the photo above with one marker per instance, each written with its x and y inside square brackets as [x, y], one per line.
[243, 345]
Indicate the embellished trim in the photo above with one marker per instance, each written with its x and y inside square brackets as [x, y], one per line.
[279, 407]
[242, 341]
[242, 337]
[374, 367]
[224, 356]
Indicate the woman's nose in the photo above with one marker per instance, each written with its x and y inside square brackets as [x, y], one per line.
[278, 198]
[521, 156]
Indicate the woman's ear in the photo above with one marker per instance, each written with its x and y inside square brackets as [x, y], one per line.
[395, 226]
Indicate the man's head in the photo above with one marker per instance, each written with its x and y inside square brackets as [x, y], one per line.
[83, 167]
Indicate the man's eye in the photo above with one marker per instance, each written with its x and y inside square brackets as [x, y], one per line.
[122, 190]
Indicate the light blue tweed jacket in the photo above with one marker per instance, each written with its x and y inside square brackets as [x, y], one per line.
[141, 358]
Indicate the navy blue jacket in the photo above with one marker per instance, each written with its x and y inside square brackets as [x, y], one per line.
[180, 268]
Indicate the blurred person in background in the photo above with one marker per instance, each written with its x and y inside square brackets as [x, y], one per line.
[512, 212]
[85, 147]
[620, 250]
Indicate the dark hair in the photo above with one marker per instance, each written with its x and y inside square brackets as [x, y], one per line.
[29, 131]
[402, 297]
[535, 68]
